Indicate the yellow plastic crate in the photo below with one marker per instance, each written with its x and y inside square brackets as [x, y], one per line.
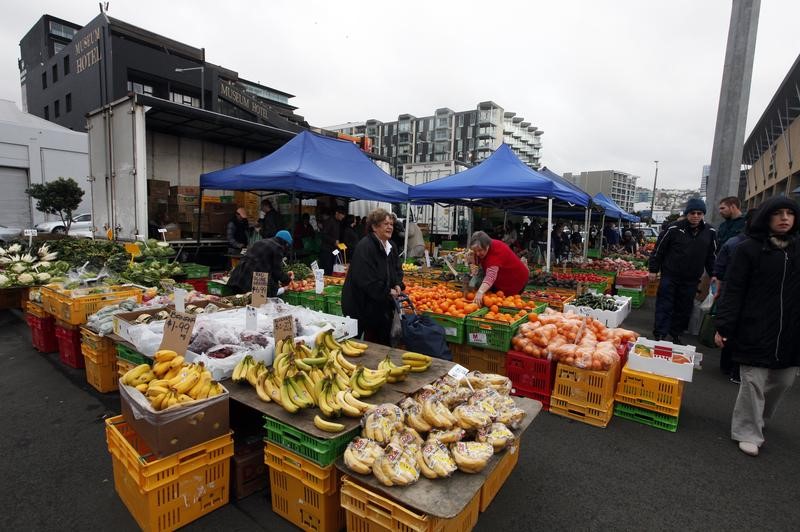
[479, 359]
[583, 387]
[177, 489]
[591, 415]
[651, 392]
[35, 309]
[499, 476]
[103, 378]
[366, 511]
[75, 310]
[102, 349]
[302, 492]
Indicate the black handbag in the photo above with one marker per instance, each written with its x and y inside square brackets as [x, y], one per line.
[420, 333]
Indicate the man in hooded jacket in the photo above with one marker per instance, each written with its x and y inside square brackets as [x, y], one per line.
[758, 317]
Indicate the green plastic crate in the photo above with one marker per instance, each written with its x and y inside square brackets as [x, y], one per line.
[637, 296]
[593, 253]
[646, 417]
[196, 271]
[497, 335]
[292, 297]
[131, 355]
[333, 300]
[320, 451]
[312, 300]
[219, 289]
[449, 245]
[453, 327]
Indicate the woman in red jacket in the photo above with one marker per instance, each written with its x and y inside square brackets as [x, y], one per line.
[502, 268]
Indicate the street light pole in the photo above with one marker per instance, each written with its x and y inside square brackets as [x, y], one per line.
[653, 199]
[202, 70]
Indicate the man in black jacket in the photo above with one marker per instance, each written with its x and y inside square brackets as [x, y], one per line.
[263, 256]
[682, 252]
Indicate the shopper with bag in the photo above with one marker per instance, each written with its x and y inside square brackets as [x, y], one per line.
[758, 318]
[373, 280]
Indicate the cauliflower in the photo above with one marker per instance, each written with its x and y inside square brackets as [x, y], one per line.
[43, 277]
[4, 280]
[15, 248]
[19, 267]
[25, 279]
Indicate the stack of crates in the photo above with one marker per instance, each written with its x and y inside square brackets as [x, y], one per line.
[333, 300]
[584, 395]
[170, 492]
[42, 325]
[531, 377]
[649, 399]
[128, 358]
[69, 344]
[100, 357]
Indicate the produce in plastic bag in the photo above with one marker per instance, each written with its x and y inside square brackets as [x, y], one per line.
[396, 467]
[471, 417]
[435, 460]
[447, 436]
[437, 414]
[380, 423]
[471, 456]
[496, 434]
[360, 455]
[406, 438]
[414, 418]
[511, 417]
[225, 350]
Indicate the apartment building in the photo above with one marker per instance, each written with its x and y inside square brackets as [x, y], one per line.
[619, 186]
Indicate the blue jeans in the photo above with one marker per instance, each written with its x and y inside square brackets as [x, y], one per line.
[674, 305]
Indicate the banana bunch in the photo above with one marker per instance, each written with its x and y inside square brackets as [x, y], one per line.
[365, 381]
[407, 438]
[471, 417]
[471, 456]
[511, 417]
[242, 368]
[435, 460]
[360, 455]
[395, 373]
[413, 413]
[447, 436]
[335, 401]
[380, 423]
[477, 380]
[396, 467]
[497, 434]
[417, 361]
[139, 377]
[349, 347]
[437, 414]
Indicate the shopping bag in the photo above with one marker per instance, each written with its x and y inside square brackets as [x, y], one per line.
[420, 333]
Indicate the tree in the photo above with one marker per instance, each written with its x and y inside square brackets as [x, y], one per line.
[61, 197]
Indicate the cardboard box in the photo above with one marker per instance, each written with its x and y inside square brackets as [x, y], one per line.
[249, 471]
[184, 191]
[215, 223]
[157, 188]
[664, 358]
[200, 424]
[609, 318]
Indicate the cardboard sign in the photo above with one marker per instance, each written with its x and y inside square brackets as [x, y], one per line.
[427, 258]
[251, 318]
[283, 328]
[30, 232]
[180, 299]
[319, 281]
[178, 332]
[260, 282]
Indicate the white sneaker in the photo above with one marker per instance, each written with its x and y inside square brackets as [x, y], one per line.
[748, 448]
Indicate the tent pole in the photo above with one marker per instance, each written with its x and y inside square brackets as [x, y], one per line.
[586, 221]
[505, 219]
[408, 221]
[600, 233]
[549, 231]
[291, 221]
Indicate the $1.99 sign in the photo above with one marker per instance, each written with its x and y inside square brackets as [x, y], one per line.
[178, 332]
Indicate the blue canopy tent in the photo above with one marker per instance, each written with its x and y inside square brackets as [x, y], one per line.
[312, 164]
[613, 209]
[502, 180]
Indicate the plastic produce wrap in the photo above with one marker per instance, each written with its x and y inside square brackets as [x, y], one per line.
[471, 456]
[496, 434]
[142, 409]
[396, 467]
[435, 460]
[360, 455]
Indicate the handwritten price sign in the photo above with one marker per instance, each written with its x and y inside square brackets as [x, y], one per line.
[283, 328]
[260, 282]
[178, 332]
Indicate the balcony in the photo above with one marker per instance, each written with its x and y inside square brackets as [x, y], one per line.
[487, 118]
[486, 133]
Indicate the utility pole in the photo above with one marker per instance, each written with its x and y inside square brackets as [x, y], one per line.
[726, 155]
[653, 199]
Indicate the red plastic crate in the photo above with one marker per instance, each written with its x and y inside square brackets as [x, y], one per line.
[69, 347]
[200, 285]
[43, 334]
[531, 377]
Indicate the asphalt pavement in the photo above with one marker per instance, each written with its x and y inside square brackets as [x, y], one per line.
[570, 476]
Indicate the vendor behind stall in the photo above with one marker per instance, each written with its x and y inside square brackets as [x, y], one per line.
[264, 256]
[238, 232]
[503, 270]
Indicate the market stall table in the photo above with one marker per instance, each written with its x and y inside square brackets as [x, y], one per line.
[388, 393]
[444, 498]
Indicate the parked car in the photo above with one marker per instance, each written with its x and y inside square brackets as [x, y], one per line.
[81, 226]
[7, 234]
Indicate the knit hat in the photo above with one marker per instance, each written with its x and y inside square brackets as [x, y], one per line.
[284, 235]
[694, 204]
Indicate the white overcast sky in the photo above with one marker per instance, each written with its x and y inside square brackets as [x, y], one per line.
[614, 84]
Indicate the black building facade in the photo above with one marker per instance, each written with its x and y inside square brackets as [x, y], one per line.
[67, 70]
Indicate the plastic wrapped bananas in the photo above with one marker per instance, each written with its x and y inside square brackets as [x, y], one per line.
[435, 460]
[471, 456]
[380, 423]
[498, 435]
[396, 466]
[172, 382]
[360, 454]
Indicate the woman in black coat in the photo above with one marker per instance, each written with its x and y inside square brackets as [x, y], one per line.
[758, 317]
[373, 280]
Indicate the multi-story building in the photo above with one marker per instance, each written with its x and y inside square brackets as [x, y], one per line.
[642, 195]
[67, 70]
[704, 179]
[772, 148]
[619, 186]
[447, 135]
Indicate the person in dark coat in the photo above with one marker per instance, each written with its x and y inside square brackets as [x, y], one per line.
[269, 221]
[264, 256]
[349, 236]
[758, 316]
[373, 280]
[730, 209]
[238, 232]
[682, 252]
[331, 233]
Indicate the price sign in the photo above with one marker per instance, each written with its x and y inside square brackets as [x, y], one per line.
[260, 282]
[450, 331]
[283, 328]
[458, 372]
[162, 230]
[314, 266]
[30, 232]
[319, 281]
[335, 252]
[251, 318]
[427, 258]
[178, 332]
[180, 299]
[477, 338]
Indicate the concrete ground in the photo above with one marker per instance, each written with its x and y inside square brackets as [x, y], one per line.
[570, 476]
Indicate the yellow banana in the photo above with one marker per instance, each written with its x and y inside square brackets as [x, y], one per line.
[135, 373]
[415, 356]
[261, 389]
[153, 391]
[286, 401]
[157, 400]
[161, 368]
[357, 345]
[347, 409]
[327, 426]
[187, 383]
[176, 362]
[351, 351]
[352, 400]
[215, 390]
[346, 364]
[165, 355]
[142, 387]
